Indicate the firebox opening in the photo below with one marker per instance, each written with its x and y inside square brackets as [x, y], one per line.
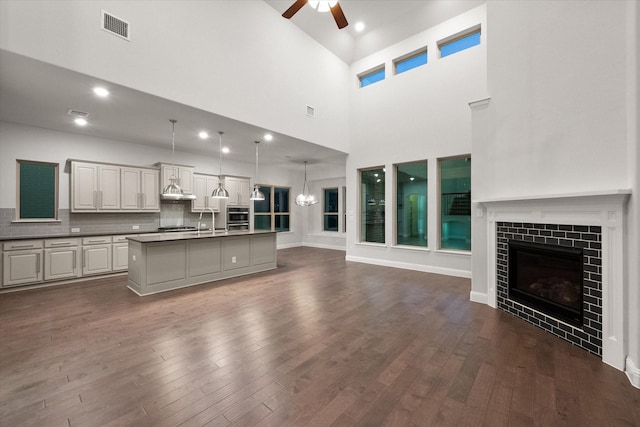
[547, 278]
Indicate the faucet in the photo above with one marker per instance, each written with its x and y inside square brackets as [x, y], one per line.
[199, 219]
[213, 220]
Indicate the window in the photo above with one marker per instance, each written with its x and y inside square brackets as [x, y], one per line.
[272, 213]
[330, 215]
[37, 191]
[459, 42]
[372, 205]
[410, 61]
[371, 76]
[344, 209]
[455, 203]
[411, 204]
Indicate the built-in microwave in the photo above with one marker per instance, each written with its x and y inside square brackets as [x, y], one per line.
[237, 219]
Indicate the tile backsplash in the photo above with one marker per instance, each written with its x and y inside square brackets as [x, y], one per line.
[97, 223]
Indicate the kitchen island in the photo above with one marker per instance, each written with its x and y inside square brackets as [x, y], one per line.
[170, 261]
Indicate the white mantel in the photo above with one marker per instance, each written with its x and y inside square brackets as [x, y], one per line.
[596, 208]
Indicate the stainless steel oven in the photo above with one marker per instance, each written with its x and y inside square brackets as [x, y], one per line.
[237, 219]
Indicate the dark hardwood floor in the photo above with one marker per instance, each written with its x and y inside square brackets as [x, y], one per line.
[317, 342]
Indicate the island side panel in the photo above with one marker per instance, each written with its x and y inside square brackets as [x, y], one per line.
[205, 259]
[264, 250]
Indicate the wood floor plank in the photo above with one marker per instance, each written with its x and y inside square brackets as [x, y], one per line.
[330, 343]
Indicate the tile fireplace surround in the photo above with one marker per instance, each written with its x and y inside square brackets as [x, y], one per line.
[601, 210]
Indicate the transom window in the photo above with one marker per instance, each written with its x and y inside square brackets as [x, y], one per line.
[459, 42]
[413, 60]
[372, 76]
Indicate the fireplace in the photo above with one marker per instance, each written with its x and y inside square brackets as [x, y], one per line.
[537, 299]
[547, 278]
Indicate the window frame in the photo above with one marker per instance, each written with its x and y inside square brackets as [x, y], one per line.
[371, 72]
[272, 214]
[440, 202]
[476, 29]
[408, 57]
[56, 190]
[335, 213]
[395, 205]
[361, 203]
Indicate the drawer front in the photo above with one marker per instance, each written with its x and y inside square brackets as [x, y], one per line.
[22, 245]
[60, 243]
[122, 239]
[97, 240]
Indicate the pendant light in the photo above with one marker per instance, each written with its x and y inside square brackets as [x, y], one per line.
[256, 194]
[306, 198]
[220, 192]
[173, 191]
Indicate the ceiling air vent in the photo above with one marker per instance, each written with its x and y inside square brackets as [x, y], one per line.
[311, 112]
[115, 26]
[77, 113]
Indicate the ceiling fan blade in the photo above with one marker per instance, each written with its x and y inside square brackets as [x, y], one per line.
[294, 8]
[338, 15]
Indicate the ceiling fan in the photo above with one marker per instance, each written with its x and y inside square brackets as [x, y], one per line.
[322, 6]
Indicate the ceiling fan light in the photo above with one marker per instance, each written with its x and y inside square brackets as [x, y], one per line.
[322, 6]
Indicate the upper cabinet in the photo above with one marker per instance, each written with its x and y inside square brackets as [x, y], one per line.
[94, 187]
[203, 186]
[182, 174]
[239, 190]
[140, 189]
[98, 187]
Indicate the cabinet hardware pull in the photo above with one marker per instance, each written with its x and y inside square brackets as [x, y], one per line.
[84, 252]
[21, 246]
[75, 256]
[38, 263]
[60, 243]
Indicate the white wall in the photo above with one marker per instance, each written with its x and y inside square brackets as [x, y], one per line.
[244, 57]
[563, 114]
[420, 114]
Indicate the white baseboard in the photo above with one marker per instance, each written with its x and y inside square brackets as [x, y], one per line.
[289, 245]
[633, 372]
[409, 266]
[480, 297]
[325, 246]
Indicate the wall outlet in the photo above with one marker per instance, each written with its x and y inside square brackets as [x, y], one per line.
[75, 230]
[233, 260]
[135, 227]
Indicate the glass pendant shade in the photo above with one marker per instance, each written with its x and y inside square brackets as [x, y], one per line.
[306, 198]
[256, 194]
[220, 192]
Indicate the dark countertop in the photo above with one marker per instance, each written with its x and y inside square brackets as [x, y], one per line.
[168, 237]
[74, 235]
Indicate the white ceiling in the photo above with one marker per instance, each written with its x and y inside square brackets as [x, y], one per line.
[40, 94]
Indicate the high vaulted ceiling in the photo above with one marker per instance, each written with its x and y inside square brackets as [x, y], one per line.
[39, 94]
[386, 22]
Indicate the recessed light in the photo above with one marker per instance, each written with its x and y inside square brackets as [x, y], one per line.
[378, 180]
[101, 92]
[268, 137]
[225, 150]
[359, 26]
[203, 135]
[80, 121]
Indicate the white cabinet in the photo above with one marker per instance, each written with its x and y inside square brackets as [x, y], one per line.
[120, 253]
[22, 262]
[94, 187]
[239, 191]
[61, 259]
[203, 186]
[183, 175]
[140, 189]
[96, 255]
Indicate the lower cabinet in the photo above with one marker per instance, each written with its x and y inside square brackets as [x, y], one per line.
[61, 259]
[30, 262]
[21, 266]
[120, 253]
[96, 255]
